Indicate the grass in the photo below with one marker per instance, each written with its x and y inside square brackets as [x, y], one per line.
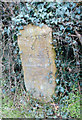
[23, 110]
[20, 108]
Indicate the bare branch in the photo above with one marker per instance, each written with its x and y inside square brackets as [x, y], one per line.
[79, 36]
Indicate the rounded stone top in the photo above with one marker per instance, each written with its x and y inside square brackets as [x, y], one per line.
[35, 30]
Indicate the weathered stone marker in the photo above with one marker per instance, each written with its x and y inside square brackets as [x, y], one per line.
[37, 58]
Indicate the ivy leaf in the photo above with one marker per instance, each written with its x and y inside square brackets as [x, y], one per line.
[19, 34]
[20, 28]
[62, 89]
[20, 52]
[41, 25]
[62, 27]
[57, 80]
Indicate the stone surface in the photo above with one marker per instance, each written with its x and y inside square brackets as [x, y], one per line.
[37, 58]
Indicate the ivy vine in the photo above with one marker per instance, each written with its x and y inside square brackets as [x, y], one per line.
[65, 21]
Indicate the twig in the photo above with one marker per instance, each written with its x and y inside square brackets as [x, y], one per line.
[79, 88]
[79, 36]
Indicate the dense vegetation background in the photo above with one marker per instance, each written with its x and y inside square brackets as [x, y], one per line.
[65, 20]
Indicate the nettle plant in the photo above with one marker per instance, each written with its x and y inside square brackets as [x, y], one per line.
[65, 21]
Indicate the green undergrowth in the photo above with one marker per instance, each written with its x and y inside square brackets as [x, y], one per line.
[69, 107]
[30, 109]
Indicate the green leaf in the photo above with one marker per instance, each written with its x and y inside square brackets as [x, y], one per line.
[62, 89]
